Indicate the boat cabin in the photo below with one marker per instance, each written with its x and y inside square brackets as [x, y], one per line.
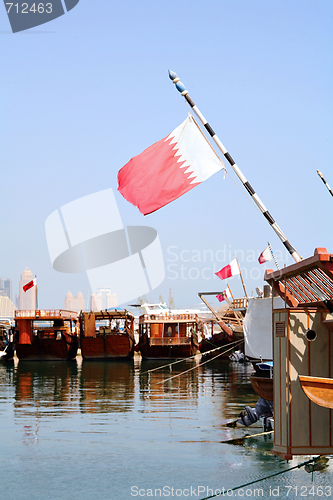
[303, 357]
[171, 335]
[107, 334]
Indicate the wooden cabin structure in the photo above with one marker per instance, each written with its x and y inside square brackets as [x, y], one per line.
[168, 336]
[303, 357]
[46, 335]
[107, 335]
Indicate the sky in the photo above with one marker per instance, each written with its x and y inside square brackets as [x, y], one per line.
[83, 94]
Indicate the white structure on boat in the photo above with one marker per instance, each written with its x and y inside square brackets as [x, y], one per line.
[258, 327]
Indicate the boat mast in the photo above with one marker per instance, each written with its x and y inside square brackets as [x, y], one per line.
[181, 88]
[322, 178]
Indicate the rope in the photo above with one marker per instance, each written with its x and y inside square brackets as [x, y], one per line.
[197, 366]
[190, 357]
[266, 477]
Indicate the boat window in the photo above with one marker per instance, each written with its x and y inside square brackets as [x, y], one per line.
[42, 324]
[311, 335]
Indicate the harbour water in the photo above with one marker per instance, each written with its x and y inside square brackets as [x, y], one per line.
[102, 431]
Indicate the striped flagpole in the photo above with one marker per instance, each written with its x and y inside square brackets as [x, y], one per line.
[322, 178]
[181, 88]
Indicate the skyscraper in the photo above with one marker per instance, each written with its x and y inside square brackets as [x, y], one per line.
[6, 288]
[7, 308]
[72, 303]
[103, 299]
[27, 300]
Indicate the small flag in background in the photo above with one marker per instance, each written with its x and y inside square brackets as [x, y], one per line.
[230, 270]
[29, 285]
[222, 296]
[265, 255]
[169, 168]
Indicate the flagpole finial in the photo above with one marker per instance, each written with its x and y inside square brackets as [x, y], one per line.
[172, 75]
[179, 85]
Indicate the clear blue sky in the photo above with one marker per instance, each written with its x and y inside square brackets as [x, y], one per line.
[84, 93]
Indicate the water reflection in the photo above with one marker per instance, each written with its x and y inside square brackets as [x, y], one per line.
[60, 388]
[123, 423]
[50, 388]
[106, 386]
[167, 382]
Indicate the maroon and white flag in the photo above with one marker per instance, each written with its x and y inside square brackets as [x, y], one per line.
[230, 270]
[265, 255]
[29, 285]
[169, 168]
[222, 296]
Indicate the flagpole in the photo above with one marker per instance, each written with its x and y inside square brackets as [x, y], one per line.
[181, 88]
[36, 294]
[241, 277]
[322, 178]
[277, 267]
[233, 298]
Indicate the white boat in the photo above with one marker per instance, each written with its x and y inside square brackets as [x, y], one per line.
[162, 308]
[6, 339]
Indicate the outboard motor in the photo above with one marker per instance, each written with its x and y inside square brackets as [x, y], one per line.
[263, 409]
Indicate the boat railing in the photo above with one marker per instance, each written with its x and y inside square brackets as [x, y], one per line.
[164, 318]
[169, 341]
[45, 314]
[240, 303]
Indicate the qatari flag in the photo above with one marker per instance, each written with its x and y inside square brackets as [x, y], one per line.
[265, 255]
[169, 168]
[222, 296]
[230, 270]
[29, 285]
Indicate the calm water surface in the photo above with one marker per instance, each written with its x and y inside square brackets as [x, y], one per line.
[103, 431]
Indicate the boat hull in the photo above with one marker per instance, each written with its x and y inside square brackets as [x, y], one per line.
[108, 347]
[220, 340]
[263, 386]
[167, 350]
[48, 349]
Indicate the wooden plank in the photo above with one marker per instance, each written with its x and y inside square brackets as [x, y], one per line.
[299, 407]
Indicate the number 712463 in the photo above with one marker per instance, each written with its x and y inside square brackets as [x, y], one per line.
[24, 8]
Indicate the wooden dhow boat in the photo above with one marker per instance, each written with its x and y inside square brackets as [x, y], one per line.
[168, 336]
[107, 335]
[46, 335]
[227, 327]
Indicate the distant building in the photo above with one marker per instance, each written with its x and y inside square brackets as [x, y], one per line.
[76, 304]
[27, 300]
[7, 308]
[6, 288]
[103, 299]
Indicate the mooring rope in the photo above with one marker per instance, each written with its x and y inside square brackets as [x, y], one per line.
[234, 343]
[197, 366]
[263, 478]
